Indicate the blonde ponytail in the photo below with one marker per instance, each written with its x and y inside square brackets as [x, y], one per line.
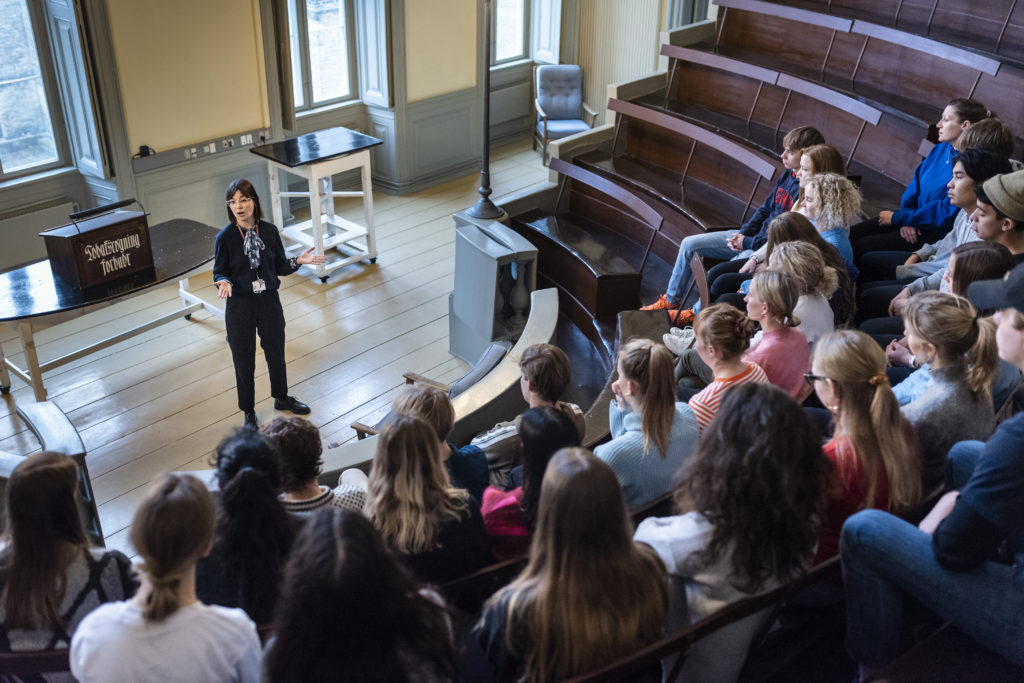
[650, 365]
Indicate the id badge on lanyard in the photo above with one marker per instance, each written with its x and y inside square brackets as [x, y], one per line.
[259, 286]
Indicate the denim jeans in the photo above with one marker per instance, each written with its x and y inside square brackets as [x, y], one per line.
[712, 244]
[960, 462]
[885, 557]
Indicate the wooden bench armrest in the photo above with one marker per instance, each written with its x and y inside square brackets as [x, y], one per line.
[416, 378]
[52, 427]
[29, 663]
[363, 430]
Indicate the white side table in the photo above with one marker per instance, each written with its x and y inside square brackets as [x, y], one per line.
[316, 157]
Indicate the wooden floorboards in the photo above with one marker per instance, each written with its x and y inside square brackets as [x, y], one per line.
[161, 401]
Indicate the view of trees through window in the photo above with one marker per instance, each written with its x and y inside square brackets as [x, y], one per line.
[26, 132]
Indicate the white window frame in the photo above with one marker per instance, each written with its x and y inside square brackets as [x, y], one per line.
[524, 53]
[46, 70]
[302, 29]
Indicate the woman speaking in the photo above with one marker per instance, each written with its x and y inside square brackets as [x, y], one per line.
[248, 261]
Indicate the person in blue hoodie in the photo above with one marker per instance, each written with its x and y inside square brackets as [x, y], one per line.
[739, 244]
[925, 214]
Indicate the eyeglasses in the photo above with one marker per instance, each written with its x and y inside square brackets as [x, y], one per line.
[812, 378]
[244, 201]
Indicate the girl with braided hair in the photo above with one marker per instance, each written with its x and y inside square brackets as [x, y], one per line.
[165, 633]
[874, 447]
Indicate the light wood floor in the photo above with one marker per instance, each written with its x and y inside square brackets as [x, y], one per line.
[161, 401]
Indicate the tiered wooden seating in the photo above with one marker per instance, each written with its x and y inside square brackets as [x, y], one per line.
[594, 244]
[758, 106]
[995, 26]
[707, 181]
[31, 664]
[907, 73]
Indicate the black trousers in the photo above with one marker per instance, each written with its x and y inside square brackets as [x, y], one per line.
[244, 316]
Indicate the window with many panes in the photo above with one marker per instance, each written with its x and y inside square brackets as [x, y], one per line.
[510, 31]
[322, 52]
[27, 112]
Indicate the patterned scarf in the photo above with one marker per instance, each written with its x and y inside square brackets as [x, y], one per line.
[252, 245]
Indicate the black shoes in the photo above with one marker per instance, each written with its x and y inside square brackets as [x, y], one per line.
[250, 421]
[291, 404]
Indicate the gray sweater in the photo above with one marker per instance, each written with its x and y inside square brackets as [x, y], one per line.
[944, 414]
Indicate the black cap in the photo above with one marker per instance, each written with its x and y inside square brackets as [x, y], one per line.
[1007, 292]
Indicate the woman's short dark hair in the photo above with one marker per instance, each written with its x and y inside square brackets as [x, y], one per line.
[298, 446]
[245, 187]
[349, 607]
[979, 260]
[543, 430]
[981, 163]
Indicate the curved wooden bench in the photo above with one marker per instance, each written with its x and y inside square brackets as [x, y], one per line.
[759, 105]
[34, 663]
[707, 180]
[904, 71]
[55, 432]
[592, 253]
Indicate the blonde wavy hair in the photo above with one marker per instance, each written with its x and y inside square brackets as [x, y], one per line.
[952, 325]
[803, 261]
[839, 201]
[410, 497]
[589, 594]
[869, 415]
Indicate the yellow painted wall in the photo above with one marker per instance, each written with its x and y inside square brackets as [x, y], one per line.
[190, 70]
[440, 47]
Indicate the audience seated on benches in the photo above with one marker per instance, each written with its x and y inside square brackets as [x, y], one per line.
[968, 263]
[254, 533]
[652, 434]
[816, 283]
[298, 447]
[350, 611]
[749, 503]
[511, 516]
[925, 212]
[944, 331]
[952, 563]
[589, 595]
[467, 466]
[546, 376]
[165, 633]
[737, 244]
[874, 449]
[50, 578]
[435, 529]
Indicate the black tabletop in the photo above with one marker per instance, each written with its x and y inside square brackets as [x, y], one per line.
[179, 246]
[317, 146]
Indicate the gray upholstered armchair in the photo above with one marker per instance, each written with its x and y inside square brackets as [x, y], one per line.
[559, 102]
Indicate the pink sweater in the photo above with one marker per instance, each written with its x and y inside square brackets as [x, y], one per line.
[785, 356]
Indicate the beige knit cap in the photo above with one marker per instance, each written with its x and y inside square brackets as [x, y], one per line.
[1006, 192]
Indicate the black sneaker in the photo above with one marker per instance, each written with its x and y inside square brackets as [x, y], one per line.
[250, 421]
[291, 404]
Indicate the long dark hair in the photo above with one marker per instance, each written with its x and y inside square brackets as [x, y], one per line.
[45, 534]
[245, 187]
[759, 477]
[349, 609]
[253, 535]
[543, 430]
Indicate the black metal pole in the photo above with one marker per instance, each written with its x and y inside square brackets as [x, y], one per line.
[485, 208]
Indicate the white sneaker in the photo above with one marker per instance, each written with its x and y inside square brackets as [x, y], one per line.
[679, 343]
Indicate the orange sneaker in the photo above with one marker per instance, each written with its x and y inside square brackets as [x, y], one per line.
[681, 317]
[661, 304]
